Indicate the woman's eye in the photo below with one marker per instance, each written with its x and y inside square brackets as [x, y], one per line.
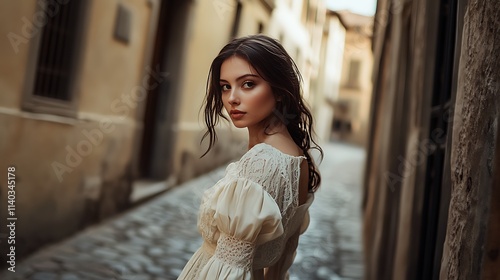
[248, 84]
[225, 87]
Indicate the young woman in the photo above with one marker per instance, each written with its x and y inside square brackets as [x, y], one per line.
[251, 219]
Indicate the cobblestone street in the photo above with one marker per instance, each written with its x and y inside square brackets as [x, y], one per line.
[155, 239]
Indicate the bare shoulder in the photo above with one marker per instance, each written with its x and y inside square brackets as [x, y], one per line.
[284, 144]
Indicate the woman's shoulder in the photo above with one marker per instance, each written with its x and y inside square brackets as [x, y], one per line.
[265, 150]
[285, 145]
[268, 160]
[265, 159]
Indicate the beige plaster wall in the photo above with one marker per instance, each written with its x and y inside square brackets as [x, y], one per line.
[209, 31]
[71, 172]
[16, 16]
[253, 13]
[329, 78]
[118, 67]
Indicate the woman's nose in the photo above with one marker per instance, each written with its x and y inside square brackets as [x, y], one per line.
[233, 98]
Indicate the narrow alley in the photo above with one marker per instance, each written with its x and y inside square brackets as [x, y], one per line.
[154, 240]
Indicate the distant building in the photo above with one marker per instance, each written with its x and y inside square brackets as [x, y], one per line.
[352, 108]
[328, 83]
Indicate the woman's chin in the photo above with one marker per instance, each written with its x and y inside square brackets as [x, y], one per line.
[239, 124]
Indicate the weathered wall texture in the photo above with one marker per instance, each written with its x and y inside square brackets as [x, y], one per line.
[70, 172]
[407, 48]
[397, 125]
[491, 258]
[473, 146]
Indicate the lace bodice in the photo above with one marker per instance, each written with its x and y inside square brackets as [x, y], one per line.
[277, 173]
[248, 216]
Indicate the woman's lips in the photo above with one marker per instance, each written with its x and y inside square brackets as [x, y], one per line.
[235, 114]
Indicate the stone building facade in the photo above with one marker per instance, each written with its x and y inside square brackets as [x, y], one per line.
[72, 76]
[352, 109]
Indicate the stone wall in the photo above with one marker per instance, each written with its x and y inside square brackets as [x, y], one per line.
[477, 114]
[402, 86]
[71, 171]
[405, 59]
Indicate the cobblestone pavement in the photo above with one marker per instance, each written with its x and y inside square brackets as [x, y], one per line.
[154, 240]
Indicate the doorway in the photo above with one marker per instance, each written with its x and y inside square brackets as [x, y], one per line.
[156, 150]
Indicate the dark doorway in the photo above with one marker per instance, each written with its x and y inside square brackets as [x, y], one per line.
[160, 114]
[433, 223]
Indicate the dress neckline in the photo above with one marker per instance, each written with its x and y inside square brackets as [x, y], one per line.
[275, 149]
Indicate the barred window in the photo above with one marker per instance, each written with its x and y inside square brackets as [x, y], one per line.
[54, 57]
[55, 67]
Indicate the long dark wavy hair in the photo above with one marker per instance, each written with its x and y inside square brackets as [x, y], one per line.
[274, 65]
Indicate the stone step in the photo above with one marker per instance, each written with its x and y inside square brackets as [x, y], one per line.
[143, 190]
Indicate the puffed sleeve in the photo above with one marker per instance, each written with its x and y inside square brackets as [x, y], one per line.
[246, 216]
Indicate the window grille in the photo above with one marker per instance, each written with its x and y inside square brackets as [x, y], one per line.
[54, 67]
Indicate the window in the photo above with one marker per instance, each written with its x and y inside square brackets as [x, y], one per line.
[340, 125]
[260, 28]
[53, 58]
[353, 76]
[237, 19]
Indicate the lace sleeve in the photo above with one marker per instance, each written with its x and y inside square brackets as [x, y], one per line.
[246, 217]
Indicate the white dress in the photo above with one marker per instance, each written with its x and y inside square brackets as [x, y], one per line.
[250, 220]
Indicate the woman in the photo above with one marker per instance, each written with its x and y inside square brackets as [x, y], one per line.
[252, 218]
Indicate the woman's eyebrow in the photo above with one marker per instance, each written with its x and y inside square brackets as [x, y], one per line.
[242, 77]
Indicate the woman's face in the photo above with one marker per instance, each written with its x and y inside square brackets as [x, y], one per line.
[247, 97]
